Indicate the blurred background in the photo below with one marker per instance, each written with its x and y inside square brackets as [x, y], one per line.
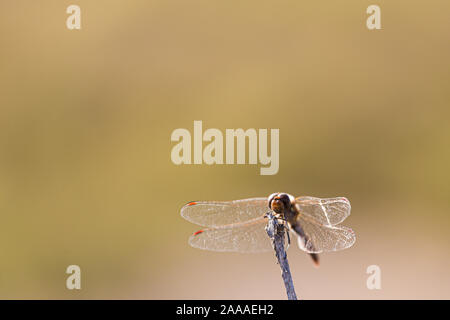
[86, 118]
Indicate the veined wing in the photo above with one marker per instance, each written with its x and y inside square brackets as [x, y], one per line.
[219, 213]
[319, 238]
[246, 237]
[329, 212]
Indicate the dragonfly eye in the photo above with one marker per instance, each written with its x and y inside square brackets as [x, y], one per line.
[270, 199]
[291, 199]
[287, 199]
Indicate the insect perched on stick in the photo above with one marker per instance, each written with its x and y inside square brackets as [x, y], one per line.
[240, 225]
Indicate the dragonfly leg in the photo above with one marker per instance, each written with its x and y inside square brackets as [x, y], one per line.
[280, 217]
[287, 229]
[276, 215]
[289, 238]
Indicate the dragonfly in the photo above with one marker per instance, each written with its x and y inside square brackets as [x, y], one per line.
[239, 225]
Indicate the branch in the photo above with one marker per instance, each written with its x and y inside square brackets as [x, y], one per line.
[276, 233]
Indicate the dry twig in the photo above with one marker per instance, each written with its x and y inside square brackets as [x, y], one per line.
[276, 231]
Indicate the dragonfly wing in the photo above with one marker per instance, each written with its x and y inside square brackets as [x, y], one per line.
[244, 237]
[220, 213]
[329, 211]
[318, 238]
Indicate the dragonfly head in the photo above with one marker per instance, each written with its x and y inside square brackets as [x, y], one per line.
[278, 202]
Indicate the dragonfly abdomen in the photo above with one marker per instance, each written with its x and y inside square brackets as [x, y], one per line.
[305, 243]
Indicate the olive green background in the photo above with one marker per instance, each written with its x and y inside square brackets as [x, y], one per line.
[86, 117]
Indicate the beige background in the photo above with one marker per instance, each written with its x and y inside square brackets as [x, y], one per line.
[86, 118]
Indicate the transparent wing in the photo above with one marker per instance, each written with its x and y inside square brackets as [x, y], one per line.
[219, 213]
[245, 237]
[318, 238]
[329, 212]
